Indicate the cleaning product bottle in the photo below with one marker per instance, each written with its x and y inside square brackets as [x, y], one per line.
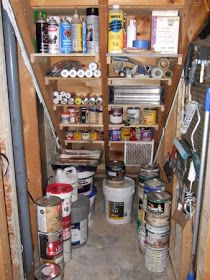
[76, 38]
[115, 35]
[131, 33]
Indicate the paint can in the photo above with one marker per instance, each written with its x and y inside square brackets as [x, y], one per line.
[157, 237]
[116, 115]
[147, 134]
[85, 180]
[154, 184]
[51, 247]
[133, 115]
[118, 201]
[159, 204]
[115, 171]
[54, 36]
[92, 30]
[91, 197]
[65, 118]
[48, 271]
[49, 214]
[115, 134]
[156, 259]
[153, 167]
[125, 133]
[65, 36]
[150, 116]
[79, 226]
[146, 175]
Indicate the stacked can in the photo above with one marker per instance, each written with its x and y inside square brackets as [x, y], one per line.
[49, 223]
[64, 192]
[157, 230]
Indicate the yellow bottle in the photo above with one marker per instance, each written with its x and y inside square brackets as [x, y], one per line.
[115, 32]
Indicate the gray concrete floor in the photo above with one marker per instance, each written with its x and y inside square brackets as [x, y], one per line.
[111, 252]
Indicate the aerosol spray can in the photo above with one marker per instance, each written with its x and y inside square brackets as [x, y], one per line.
[65, 36]
[92, 30]
[84, 36]
[42, 42]
[54, 36]
[76, 38]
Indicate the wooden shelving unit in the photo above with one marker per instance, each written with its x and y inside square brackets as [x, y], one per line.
[70, 80]
[155, 126]
[141, 106]
[137, 81]
[42, 57]
[79, 125]
[83, 142]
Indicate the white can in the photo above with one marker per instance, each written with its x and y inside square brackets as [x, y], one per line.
[133, 115]
[54, 36]
[157, 237]
[156, 260]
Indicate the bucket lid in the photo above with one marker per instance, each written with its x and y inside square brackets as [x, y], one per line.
[59, 188]
[148, 175]
[155, 182]
[47, 271]
[159, 196]
[115, 164]
[128, 184]
[150, 167]
[48, 201]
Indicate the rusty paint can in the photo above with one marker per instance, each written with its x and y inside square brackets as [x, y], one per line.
[49, 214]
[150, 116]
[51, 247]
[48, 271]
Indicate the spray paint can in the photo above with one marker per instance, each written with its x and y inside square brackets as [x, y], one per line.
[76, 38]
[92, 30]
[65, 36]
[84, 36]
[115, 35]
[42, 39]
[54, 36]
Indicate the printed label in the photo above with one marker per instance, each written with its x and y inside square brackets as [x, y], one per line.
[116, 210]
[79, 232]
[156, 208]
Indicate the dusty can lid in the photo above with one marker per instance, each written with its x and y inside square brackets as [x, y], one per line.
[47, 271]
[159, 196]
[48, 201]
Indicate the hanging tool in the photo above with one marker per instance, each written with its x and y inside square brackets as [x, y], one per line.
[180, 171]
[191, 274]
[169, 166]
[189, 196]
[203, 60]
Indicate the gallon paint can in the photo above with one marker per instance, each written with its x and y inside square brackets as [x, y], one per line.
[85, 180]
[54, 36]
[92, 30]
[49, 214]
[118, 201]
[146, 134]
[115, 171]
[159, 204]
[48, 271]
[79, 227]
[156, 259]
[65, 36]
[116, 115]
[145, 175]
[115, 134]
[150, 116]
[154, 184]
[91, 197]
[51, 247]
[157, 237]
[153, 167]
[125, 133]
[133, 115]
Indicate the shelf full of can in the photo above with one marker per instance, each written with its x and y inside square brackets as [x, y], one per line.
[83, 142]
[141, 106]
[86, 125]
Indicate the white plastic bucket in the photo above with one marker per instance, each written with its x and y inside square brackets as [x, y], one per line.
[118, 201]
[85, 181]
[156, 259]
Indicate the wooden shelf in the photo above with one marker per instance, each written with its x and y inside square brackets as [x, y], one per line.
[87, 125]
[133, 125]
[141, 106]
[55, 106]
[143, 53]
[76, 80]
[124, 141]
[83, 141]
[42, 57]
[136, 81]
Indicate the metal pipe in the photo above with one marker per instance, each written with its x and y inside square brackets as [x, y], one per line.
[17, 139]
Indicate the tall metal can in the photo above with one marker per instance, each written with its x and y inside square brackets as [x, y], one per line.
[65, 36]
[42, 39]
[92, 30]
[84, 36]
[115, 33]
[54, 36]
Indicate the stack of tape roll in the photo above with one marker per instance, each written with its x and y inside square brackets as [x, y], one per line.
[92, 71]
[164, 65]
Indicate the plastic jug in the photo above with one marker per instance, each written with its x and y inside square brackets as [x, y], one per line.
[68, 175]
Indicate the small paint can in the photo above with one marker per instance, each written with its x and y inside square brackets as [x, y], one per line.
[115, 134]
[65, 118]
[85, 135]
[92, 116]
[153, 167]
[69, 134]
[156, 259]
[133, 115]
[51, 246]
[154, 184]
[48, 271]
[125, 133]
[116, 115]
[146, 134]
[79, 227]
[157, 237]
[93, 135]
[159, 203]
[49, 214]
[150, 116]
[115, 171]
[77, 135]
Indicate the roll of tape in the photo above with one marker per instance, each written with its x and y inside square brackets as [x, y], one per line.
[157, 73]
[97, 73]
[93, 66]
[72, 73]
[168, 73]
[88, 73]
[55, 93]
[141, 44]
[64, 73]
[68, 95]
[81, 73]
[62, 93]
[164, 63]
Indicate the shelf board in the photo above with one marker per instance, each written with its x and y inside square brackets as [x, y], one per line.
[87, 125]
[124, 141]
[55, 106]
[136, 81]
[83, 80]
[143, 53]
[133, 125]
[42, 57]
[142, 106]
[83, 141]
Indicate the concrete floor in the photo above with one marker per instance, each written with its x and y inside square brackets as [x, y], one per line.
[111, 253]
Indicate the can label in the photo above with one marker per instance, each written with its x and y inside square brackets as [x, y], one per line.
[42, 38]
[116, 210]
[150, 117]
[65, 37]
[76, 37]
[115, 32]
[92, 34]
[54, 38]
[84, 185]
[79, 232]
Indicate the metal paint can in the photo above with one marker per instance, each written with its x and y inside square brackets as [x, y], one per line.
[125, 133]
[92, 116]
[133, 115]
[65, 36]
[157, 237]
[153, 167]
[48, 271]
[146, 134]
[150, 116]
[85, 135]
[51, 247]
[93, 135]
[115, 134]
[159, 203]
[49, 214]
[65, 118]
[145, 175]
[69, 134]
[54, 36]
[115, 171]
[154, 184]
[116, 115]
[77, 135]
[156, 259]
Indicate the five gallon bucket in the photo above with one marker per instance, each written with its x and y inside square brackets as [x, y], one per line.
[118, 201]
[85, 180]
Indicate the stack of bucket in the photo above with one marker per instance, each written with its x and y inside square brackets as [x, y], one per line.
[118, 192]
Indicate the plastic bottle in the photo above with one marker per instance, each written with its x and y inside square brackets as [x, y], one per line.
[131, 33]
[115, 38]
[76, 38]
